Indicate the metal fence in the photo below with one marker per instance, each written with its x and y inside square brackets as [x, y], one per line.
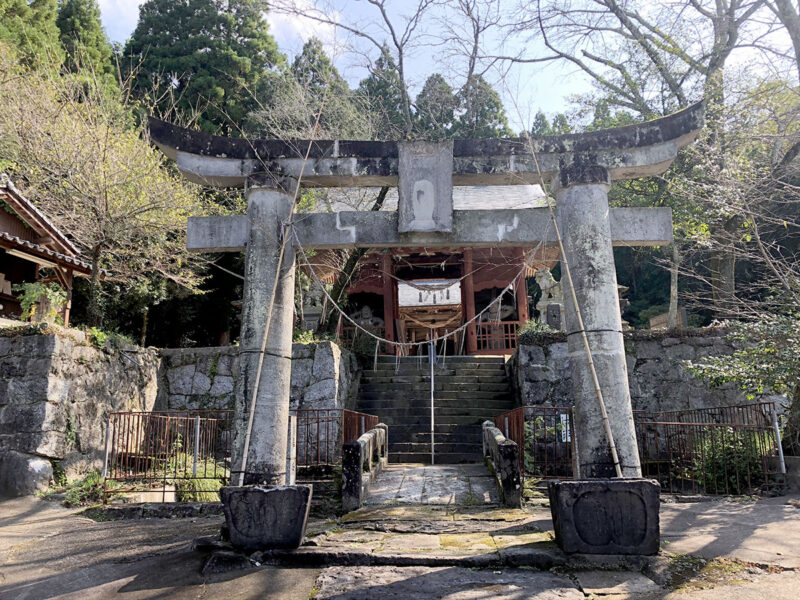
[167, 455]
[160, 452]
[721, 450]
[321, 433]
[545, 434]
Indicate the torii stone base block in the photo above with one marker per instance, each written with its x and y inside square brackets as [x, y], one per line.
[606, 516]
[264, 518]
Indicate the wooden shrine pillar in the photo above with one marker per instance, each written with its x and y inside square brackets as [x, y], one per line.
[521, 288]
[387, 269]
[469, 302]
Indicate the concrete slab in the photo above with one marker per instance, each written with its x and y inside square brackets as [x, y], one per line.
[607, 583]
[767, 531]
[445, 583]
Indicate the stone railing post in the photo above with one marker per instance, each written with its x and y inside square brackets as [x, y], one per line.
[583, 218]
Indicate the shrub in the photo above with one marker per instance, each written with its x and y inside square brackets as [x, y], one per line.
[88, 490]
[729, 461]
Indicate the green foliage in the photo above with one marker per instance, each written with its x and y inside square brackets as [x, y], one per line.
[436, 109]
[83, 38]
[534, 331]
[87, 491]
[106, 340]
[29, 26]
[203, 488]
[309, 99]
[310, 336]
[728, 461]
[49, 295]
[195, 489]
[542, 126]
[382, 90]
[480, 111]
[767, 360]
[211, 56]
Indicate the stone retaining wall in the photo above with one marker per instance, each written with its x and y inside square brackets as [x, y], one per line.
[540, 371]
[323, 376]
[56, 390]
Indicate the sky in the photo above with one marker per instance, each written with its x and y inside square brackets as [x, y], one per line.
[524, 90]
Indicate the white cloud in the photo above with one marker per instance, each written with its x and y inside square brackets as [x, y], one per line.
[291, 31]
[119, 17]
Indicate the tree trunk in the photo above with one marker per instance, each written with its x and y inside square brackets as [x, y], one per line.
[791, 433]
[94, 311]
[143, 335]
[723, 281]
[672, 319]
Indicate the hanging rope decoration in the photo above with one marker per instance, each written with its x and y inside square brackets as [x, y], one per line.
[520, 276]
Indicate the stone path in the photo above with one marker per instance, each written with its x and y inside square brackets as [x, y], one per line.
[464, 485]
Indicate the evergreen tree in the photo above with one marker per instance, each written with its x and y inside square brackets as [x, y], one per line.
[436, 107]
[82, 36]
[541, 125]
[481, 112]
[30, 28]
[204, 58]
[312, 87]
[382, 91]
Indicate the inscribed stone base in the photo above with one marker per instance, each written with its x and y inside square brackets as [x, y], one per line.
[262, 518]
[606, 516]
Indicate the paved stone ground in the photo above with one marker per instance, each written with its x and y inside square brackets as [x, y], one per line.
[434, 484]
[417, 551]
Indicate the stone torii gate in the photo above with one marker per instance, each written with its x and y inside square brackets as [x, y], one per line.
[579, 168]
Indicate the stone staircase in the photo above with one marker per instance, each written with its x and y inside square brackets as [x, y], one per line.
[468, 390]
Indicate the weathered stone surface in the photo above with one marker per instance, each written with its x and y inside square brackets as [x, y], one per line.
[606, 516]
[540, 374]
[323, 376]
[260, 518]
[504, 456]
[616, 582]
[56, 391]
[450, 583]
[224, 561]
[22, 474]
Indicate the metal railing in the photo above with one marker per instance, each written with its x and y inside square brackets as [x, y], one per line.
[321, 433]
[544, 435]
[720, 450]
[157, 452]
[498, 337]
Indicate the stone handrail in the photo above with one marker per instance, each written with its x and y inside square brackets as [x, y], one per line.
[503, 456]
[362, 461]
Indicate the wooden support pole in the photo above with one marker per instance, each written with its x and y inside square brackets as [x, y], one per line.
[388, 300]
[469, 302]
[521, 288]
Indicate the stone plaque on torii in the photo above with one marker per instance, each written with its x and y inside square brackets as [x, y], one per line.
[579, 168]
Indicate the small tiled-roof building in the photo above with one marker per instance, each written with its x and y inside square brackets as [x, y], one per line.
[30, 243]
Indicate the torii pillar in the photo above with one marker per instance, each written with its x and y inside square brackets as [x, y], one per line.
[582, 214]
[269, 205]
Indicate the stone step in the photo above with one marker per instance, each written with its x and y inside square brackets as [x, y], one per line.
[444, 447]
[421, 422]
[445, 368]
[444, 438]
[453, 358]
[441, 459]
[437, 386]
[389, 415]
[439, 428]
[404, 395]
[375, 406]
[371, 378]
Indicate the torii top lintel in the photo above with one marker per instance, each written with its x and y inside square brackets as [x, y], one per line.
[640, 150]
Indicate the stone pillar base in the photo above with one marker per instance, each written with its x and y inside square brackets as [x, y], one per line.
[264, 518]
[606, 516]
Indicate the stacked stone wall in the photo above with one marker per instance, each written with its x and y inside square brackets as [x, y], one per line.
[323, 376]
[540, 370]
[56, 391]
